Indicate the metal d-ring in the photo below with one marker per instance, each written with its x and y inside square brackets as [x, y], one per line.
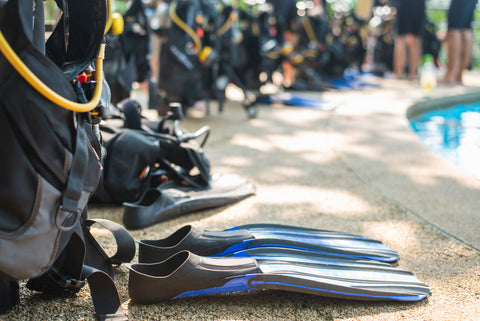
[66, 228]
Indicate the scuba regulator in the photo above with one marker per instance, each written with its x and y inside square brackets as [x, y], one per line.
[206, 55]
[78, 48]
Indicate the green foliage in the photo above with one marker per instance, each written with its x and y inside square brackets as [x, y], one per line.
[120, 6]
[50, 10]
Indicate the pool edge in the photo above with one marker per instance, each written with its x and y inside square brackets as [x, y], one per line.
[427, 105]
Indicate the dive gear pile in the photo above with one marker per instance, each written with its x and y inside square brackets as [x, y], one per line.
[207, 44]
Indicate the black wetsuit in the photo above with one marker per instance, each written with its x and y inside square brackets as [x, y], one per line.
[460, 14]
[410, 17]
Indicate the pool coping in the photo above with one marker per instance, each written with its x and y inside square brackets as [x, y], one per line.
[406, 172]
[423, 106]
[438, 103]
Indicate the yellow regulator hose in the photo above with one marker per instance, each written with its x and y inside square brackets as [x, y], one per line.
[182, 25]
[109, 23]
[309, 30]
[231, 19]
[46, 91]
[228, 24]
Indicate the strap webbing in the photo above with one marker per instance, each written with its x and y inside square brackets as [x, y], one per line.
[104, 295]
[78, 169]
[102, 288]
[125, 242]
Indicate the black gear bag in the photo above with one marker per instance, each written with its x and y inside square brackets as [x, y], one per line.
[50, 160]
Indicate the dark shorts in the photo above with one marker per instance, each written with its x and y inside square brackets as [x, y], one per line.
[410, 17]
[460, 14]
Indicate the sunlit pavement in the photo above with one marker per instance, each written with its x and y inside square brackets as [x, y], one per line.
[358, 168]
[369, 134]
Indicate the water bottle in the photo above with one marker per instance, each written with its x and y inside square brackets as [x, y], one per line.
[428, 76]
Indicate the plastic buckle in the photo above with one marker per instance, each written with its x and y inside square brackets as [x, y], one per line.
[74, 284]
[66, 283]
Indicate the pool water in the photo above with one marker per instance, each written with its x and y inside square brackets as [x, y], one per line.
[453, 133]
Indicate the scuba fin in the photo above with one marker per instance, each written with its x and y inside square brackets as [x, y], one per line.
[227, 242]
[171, 200]
[186, 274]
[297, 100]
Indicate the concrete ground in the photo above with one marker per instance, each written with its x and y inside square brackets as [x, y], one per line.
[360, 169]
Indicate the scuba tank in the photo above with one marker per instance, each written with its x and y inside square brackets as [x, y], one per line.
[180, 73]
[352, 39]
[128, 51]
[381, 42]
[136, 39]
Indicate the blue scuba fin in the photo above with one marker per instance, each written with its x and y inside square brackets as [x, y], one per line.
[186, 274]
[227, 242]
[350, 83]
[300, 100]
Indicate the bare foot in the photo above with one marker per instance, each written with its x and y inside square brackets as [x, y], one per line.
[447, 82]
[198, 110]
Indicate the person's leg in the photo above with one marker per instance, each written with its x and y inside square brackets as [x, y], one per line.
[156, 44]
[288, 72]
[414, 46]
[399, 56]
[454, 53]
[466, 54]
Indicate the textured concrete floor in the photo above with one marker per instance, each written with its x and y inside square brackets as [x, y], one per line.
[356, 169]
